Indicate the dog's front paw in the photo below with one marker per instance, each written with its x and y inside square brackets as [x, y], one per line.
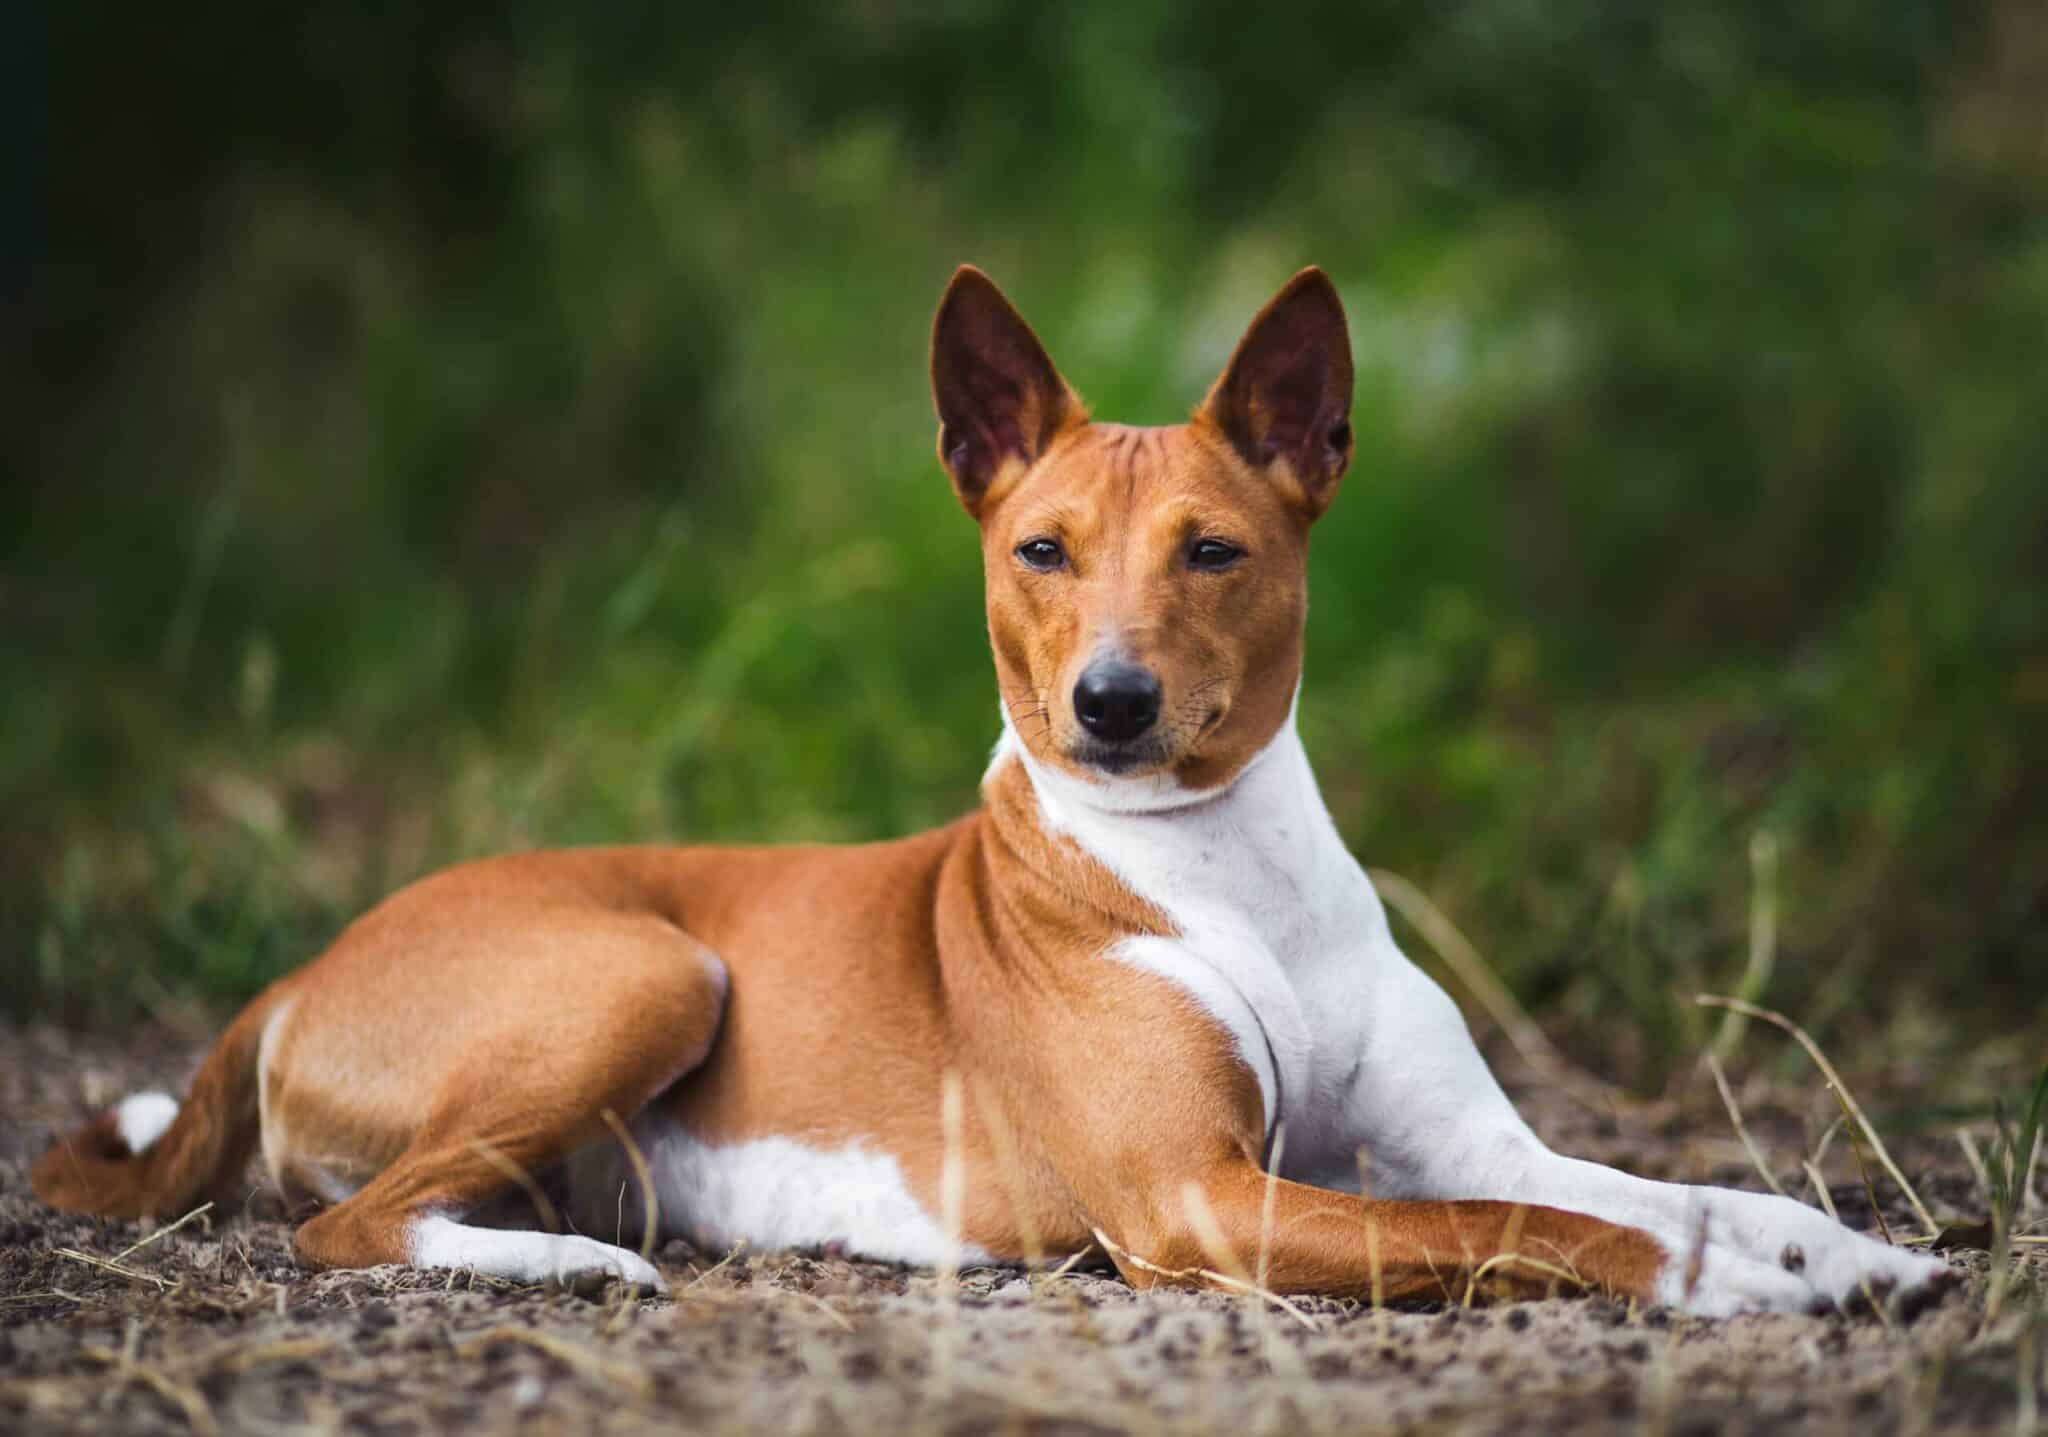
[568, 1260]
[1745, 1252]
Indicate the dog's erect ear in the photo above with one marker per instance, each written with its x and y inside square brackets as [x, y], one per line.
[1285, 399]
[999, 397]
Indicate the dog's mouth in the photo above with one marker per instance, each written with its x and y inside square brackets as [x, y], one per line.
[1149, 753]
[1127, 759]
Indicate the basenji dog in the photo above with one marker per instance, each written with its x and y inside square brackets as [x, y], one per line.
[1142, 998]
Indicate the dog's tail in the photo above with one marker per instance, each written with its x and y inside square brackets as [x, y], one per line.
[152, 1156]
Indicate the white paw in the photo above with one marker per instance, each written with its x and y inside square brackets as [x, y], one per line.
[580, 1263]
[1771, 1254]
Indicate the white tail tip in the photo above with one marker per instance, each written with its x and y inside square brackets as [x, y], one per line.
[141, 1118]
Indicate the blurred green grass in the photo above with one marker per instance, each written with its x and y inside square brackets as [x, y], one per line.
[452, 432]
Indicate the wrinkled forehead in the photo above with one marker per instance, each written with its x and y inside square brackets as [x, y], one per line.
[1116, 483]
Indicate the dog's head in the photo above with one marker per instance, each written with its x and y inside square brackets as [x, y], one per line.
[1146, 587]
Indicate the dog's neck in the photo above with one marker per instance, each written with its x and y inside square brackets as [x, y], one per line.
[1261, 849]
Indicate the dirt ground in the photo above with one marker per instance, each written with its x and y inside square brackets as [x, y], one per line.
[211, 1328]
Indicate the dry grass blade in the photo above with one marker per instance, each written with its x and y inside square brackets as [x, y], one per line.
[1510, 1239]
[1763, 940]
[163, 1232]
[1247, 1289]
[1850, 1106]
[2015, 1152]
[1010, 1172]
[578, 1359]
[2008, 1167]
[1820, 1191]
[1870, 1188]
[1473, 971]
[1209, 1233]
[1372, 1241]
[719, 1266]
[1564, 1260]
[952, 1214]
[650, 1201]
[1069, 1263]
[550, 1220]
[1269, 1203]
[1536, 1265]
[119, 1269]
[1373, 1266]
[952, 1171]
[1976, 1161]
[2030, 1188]
[1469, 1267]
[1206, 1274]
[1741, 1129]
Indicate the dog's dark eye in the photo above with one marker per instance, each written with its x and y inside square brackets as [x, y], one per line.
[1213, 554]
[1042, 554]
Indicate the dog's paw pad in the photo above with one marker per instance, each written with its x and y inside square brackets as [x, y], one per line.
[590, 1284]
[1926, 1296]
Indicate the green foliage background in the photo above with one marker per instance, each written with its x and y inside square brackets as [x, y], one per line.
[449, 428]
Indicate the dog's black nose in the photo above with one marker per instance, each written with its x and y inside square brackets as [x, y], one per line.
[1116, 700]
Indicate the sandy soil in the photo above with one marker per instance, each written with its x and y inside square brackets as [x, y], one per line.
[211, 1328]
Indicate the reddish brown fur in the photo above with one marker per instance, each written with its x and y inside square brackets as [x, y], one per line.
[502, 1008]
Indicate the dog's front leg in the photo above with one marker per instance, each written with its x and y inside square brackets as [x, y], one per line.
[1228, 1223]
[1434, 1123]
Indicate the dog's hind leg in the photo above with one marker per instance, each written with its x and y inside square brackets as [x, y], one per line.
[520, 1092]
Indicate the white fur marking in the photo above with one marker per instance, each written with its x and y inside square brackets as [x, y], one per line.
[142, 1118]
[269, 1129]
[525, 1256]
[772, 1192]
